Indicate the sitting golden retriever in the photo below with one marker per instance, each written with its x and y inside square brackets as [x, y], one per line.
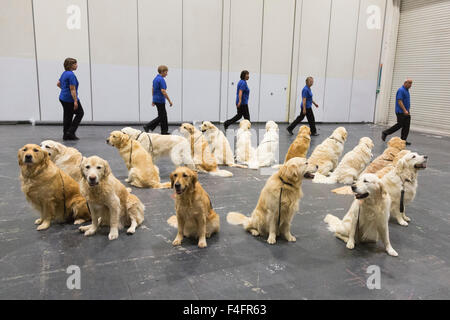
[326, 155]
[195, 216]
[381, 173]
[200, 151]
[245, 152]
[299, 147]
[50, 190]
[395, 145]
[142, 173]
[367, 218]
[109, 201]
[277, 203]
[68, 159]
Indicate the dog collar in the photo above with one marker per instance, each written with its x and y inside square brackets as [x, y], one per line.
[284, 182]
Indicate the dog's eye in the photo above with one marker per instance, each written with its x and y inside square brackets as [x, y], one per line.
[88, 167]
[47, 147]
[175, 175]
[35, 150]
[414, 156]
[365, 181]
[184, 175]
[25, 149]
[98, 167]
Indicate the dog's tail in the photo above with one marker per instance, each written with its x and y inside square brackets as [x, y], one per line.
[163, 185]
[277, 166]
[345, 190]
[237, 165]
[320, 178]
[333, 222]
[221, 173]
[237, 218]
[172, 221]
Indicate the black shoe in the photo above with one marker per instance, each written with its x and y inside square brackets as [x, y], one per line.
[165, 133]
[383, 136]
[146, 129]
[408, 143]
[70, 136]
[290, 131]
[315, 134]
[225, 126]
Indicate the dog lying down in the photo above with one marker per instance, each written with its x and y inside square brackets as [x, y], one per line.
[53, 193]
[367, 218]
[142, 173]
[68, 159]
[277, 203]
[110, 202]
[195, 216]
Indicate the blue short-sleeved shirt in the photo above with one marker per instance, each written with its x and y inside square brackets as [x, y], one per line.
[307, 93]
[158, 84]
[242, 85]
[67, 79]
[402, 94]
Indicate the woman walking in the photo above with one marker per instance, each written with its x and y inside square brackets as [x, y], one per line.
[68, 83]
[242, 94]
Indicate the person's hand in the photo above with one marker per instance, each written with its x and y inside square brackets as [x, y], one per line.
[153, 104]
[238, 104]
[170, 103]
[75, 105]
[304, 111]
[407, 112]
[316, 105]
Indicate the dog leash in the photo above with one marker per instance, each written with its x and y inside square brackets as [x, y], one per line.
[357, 223]
[131, 152]
[402, 196]
[64, 192]
[279, 201]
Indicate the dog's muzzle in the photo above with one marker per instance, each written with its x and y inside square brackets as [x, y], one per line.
[422, 165]
[361, 195]
[308, 175]
[178, 189]
[92, 181]
[28, 158]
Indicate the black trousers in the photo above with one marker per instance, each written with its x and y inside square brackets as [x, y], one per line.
[242, 111]
[160, 119]
[403, 122]
[311, 121]
[70, 124]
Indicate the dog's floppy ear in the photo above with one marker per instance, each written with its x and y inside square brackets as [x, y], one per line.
[82, 164]
[107, 168]
[172, 180]
[19, 156]
[46, 158]
[194, 177]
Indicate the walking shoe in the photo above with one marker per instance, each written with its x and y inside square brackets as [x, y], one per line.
[383, 136]
[225, 126]
[408, 143]
[146, 129]
[290, 131]
[315, 134]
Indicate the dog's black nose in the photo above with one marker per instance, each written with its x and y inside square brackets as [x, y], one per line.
[177, 185]
[107, 140]
[353, 187]
[426, 157]
[92, 178]
[28, 157]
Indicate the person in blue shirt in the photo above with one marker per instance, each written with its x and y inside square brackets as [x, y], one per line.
[159, 96]
[68, 83]
[306, 110]
[402, 105]
[242, 94]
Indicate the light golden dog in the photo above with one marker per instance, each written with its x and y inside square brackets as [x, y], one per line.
[195, 216]
[326, 155]
[68, 159]
[381, 173]
[367, 218]
[300, 146]
[403, 177]
[53, 193]
[245, 153]
[277, 203]
[142, 173]
[109, 201]
[395, 145]
[351, 165]
[267, 150]
[200, 151]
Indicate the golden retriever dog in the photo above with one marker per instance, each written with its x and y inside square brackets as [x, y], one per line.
[277, 203]
[52, 192]
[367, 219]
[200, 151]
[326, 155]
[245, 153]
[195, 216]
[351, 165]
[381, 173]
[161, 145]
[68, 159]
[142, 173]
[300, 146]
[268, 148]
[219, 144]
[395, 145]
[109, 201]
[403, 179]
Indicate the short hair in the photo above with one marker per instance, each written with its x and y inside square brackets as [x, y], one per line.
[68, 63]
[162, 68]
[243, 74]
[408, 80]
[308, 78]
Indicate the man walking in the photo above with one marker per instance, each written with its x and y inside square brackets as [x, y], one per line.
[402, 105]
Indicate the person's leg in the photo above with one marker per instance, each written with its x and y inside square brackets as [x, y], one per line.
[67, 116]
[296, 122]
[162, 115]
[239, 114]
[395, 127]
[154, 123]
[79, 113]
[245, 112]
[405, 127]
[311, 121]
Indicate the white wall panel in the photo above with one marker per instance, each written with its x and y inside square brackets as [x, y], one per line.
[367, 57]
[18, 80]
[278, 24]
[245, 52]
[313, 51]
[114, 59]
[341, 52]
[55, 41]
[160, 42]
[202, 39]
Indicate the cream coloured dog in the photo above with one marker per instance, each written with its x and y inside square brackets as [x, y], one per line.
[142, 173]
[245, 153]
[159, 145]
[200, 151]
[277, 203]
[109, 201]
[403, 177]
[326, 155]
[367, 219]
[268, 148]
[68, 159]
[351, 165]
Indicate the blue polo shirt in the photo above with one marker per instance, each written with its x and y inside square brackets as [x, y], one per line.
[402, 94]
[67, 79]
[158, 84]
[307, 93]
[242, 85]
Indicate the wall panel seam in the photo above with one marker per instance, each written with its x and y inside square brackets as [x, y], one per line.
[354, 62]
[36, 60]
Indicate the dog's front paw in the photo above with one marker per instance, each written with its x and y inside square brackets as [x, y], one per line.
[291, 238]
[177, 241]
[131, 230]
[89, 231]
[38, 221]
[127, 180]
[350, 244]
[84, 228]
[402, 222]
[271, 240]
[44, 225]
[113, 234]
[254, 232]
[407, 218]
[392, 252]
[202, 244]
[79, 221]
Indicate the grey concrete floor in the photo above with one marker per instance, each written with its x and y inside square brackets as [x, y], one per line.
[235, 265]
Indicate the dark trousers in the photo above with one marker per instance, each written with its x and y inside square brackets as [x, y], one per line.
[160, 119]
[403, 121]
[242, 111]
[70, 123]
[311, 121]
